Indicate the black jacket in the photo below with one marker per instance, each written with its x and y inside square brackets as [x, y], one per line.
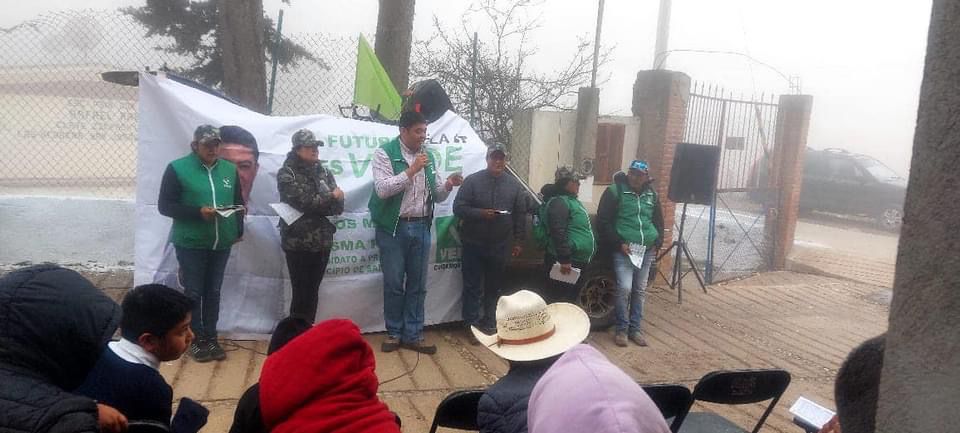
[610, 240]
[309, 189]
[247, 417]
[503, 407]
[558, 218]
[482, 190]
[54, 324]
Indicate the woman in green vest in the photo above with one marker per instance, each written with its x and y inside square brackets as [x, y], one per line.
[202, 193]
[570, 242]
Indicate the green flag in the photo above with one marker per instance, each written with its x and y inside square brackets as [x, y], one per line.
[373, 87]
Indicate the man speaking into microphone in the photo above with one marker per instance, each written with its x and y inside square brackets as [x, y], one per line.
[406, 185]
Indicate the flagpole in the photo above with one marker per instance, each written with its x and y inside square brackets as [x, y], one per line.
[276, 58]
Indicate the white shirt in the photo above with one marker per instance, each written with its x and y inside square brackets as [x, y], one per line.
[386, 184]
[132, 352]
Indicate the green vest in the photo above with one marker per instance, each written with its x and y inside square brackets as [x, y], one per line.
[579, 231]
[635, 215]
[202, 186]
[385, 212]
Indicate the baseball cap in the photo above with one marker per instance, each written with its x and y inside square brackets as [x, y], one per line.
[566, 173]
[496, 147]
[305, 137]
[638, 164]
[205, 134]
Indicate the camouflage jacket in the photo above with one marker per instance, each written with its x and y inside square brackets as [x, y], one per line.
[309, 189]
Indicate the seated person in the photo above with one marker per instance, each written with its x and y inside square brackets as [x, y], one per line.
[55, 326]
[324, 381]
[606, 400]
[247, 418]
[857, 390]
[531, 335]
[155, 327]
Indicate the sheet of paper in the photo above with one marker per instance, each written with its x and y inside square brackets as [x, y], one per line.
[636, 254]
[570, 278]
[586, 190]
[811, 413]
[226, 211]
[286, 212]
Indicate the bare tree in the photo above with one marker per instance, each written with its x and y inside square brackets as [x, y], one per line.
[244, 71]
[394, 37]
[505, 83]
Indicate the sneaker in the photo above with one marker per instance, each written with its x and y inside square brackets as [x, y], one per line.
[199, 351]
[426, 349]
[390, 344]
[637, 338]
[216, 352]
[620, 339]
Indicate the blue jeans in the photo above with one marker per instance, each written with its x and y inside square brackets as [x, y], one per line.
[483, 271]
[403, 261]
[201, 274]
[632, 284]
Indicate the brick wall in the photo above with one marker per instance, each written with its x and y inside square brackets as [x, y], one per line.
[793, 123]
[660, 101]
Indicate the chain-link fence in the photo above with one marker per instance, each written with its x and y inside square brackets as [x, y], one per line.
[65, 131]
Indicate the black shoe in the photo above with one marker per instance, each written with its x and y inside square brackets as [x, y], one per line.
[216, 352]
[199, 351]
[426, 349]
[390, 344]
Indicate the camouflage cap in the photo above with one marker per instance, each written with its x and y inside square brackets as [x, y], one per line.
[204, 134]
[305, 137]
[566, 173]
[496, 147]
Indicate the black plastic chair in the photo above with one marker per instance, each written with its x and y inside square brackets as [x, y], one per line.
[674, 402]
[735, 388]
[147, 426]
[458, 411]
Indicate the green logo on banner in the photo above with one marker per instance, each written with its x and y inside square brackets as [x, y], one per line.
[449, 247]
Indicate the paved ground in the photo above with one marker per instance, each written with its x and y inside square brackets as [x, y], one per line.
[831, 246]
[805, 324]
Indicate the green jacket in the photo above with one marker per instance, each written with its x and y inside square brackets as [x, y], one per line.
[571, 236]
[626, 216]
[385, 212]
[187, 186]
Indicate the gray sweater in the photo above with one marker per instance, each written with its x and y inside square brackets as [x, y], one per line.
[482, 190]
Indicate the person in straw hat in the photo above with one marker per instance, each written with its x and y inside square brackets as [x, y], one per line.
[531, 335]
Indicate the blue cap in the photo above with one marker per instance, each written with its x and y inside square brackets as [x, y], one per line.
[638, 164]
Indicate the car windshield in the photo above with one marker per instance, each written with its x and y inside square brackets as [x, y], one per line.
[878, 170]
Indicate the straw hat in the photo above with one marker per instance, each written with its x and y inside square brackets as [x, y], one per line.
[528, 329]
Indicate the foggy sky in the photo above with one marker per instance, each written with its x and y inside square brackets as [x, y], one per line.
[861, 60]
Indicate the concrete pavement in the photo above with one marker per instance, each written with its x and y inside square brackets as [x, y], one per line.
[805, 324]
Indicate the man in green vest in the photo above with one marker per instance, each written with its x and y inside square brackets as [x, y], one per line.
[631, 231]
[406, 186]
[202, 193]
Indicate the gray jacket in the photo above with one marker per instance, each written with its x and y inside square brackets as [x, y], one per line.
[482, 190]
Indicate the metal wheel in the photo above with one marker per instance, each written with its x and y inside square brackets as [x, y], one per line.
[891, 218]
[597, 298]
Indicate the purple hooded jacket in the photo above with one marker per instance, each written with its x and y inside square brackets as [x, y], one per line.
[585, 392]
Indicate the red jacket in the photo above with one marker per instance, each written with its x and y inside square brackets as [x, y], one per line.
[324, 381]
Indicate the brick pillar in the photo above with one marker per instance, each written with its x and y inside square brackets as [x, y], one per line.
[786, 176]
[660, 102]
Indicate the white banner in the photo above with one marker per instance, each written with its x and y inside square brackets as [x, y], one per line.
[256, 288]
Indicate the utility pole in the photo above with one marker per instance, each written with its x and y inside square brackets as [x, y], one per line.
[663, 34]
[596, 45]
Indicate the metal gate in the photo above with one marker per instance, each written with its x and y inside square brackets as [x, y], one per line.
[727, 239]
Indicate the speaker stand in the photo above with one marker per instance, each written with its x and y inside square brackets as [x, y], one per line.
[677, 274]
